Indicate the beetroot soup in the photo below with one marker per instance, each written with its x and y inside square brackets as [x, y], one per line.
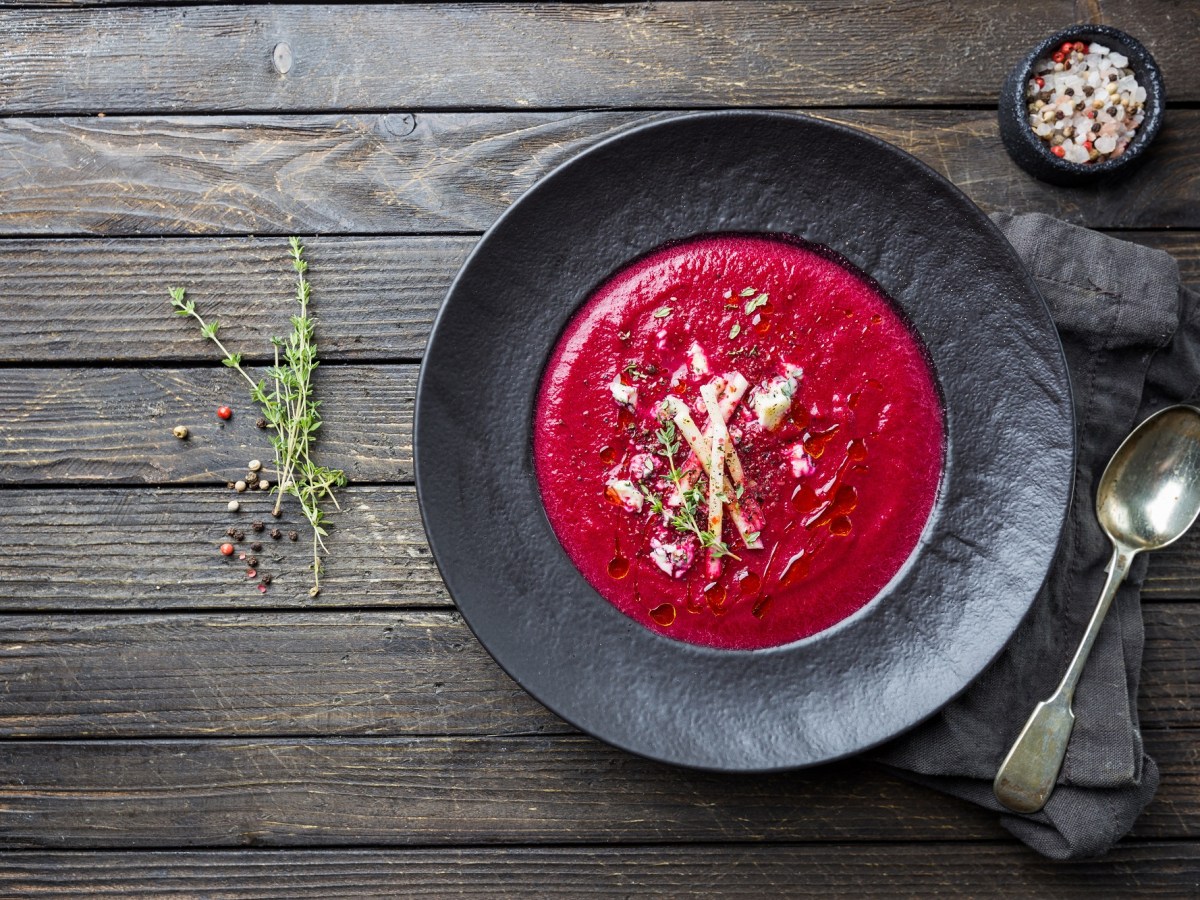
[738, 441]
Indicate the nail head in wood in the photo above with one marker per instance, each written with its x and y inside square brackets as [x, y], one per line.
[281, 58]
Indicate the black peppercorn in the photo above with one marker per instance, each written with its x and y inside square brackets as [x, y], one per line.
[257, 526]
[1059, 114]
[239, 535]
[276, 534]
[256, 546]
[1112, 76]
[266, 579]
[230, 531]
[260, 422]
[1070, 92]
[1112, 110]
[252, 561]
[1096, 128]
[1088, 90]
[293, 535]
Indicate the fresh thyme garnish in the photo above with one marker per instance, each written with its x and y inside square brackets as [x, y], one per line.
[288, 407]
[735, 331]
[662, 312]
[748, 292]
[684, 518]
[752, 305]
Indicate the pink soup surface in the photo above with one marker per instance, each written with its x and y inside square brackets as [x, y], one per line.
[832, 414]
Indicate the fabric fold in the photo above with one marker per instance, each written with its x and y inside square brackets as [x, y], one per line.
[1131, 335]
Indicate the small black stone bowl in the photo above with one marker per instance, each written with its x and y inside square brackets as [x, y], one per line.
[1033, 154]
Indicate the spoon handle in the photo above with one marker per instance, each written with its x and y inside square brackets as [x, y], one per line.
[1027, 775]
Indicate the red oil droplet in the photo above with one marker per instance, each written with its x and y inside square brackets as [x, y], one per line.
[663, 615]
[876, 319]
[796, 569]
[715, 595]
[618, 567]
[805, 499]
[612, 496]
[608, 455]
[624, 418]
[849, 313]
[799, 415]
[760, 608]
[692, 603]
[845, 500]
[749, 583]
[857, 450]
[815, 442]
[840, 526]
[763, 325]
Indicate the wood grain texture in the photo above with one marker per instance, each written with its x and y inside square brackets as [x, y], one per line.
[980, 870]
[114, 425]
[142, 550]
[260, 674]
[374, 297]
[458, 171]
[446, 791]
[308, 674]
[103, 300]
[545, 55]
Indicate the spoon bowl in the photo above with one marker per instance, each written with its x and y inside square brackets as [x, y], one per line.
[1149, 494]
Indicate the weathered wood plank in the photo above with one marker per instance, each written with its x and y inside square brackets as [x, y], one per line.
[257, 674]
[274, 674]
[106, 425]
[980, 870]
[439, 791]
[458, 171]
[119, 549]
[97, 300]
[512, 55]
[375, 297]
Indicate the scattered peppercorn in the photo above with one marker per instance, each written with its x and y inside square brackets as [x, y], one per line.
[293, 535]
[239, 486]
[260, 422]
[227, 549]
[1058, 151]
[224, 412]
[277, 513]
[256, 546]
[239, 536]
[1096, 128]
[256, 526]
[254, 466]
[251, 478]
[230, 531]
[234, 506]
[1112, 110]
[1070, 92]
[252, 561]
[1058, 114]
[180, 431]
[231, 485]
[250, 573]
[266, 579]
[1112, 76]
[1058, 56]
[1088, 90]
[264, 485]
[276, 534]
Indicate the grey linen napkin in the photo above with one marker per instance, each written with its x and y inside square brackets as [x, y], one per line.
[1132, 339]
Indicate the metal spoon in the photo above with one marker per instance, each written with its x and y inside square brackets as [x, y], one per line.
[1149, 495]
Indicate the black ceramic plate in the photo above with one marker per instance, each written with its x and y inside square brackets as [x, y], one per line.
[990, 537]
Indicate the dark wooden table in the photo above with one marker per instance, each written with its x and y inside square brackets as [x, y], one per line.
[169, 730]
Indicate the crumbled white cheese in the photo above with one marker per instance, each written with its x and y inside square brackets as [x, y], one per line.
[625, 493]
[773, 398]
[624, 394]
[673, 558]
[698, 359]
[802, 463]
[642, 466]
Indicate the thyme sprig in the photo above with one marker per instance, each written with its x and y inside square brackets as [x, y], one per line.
[288, 407]
[683, 519]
